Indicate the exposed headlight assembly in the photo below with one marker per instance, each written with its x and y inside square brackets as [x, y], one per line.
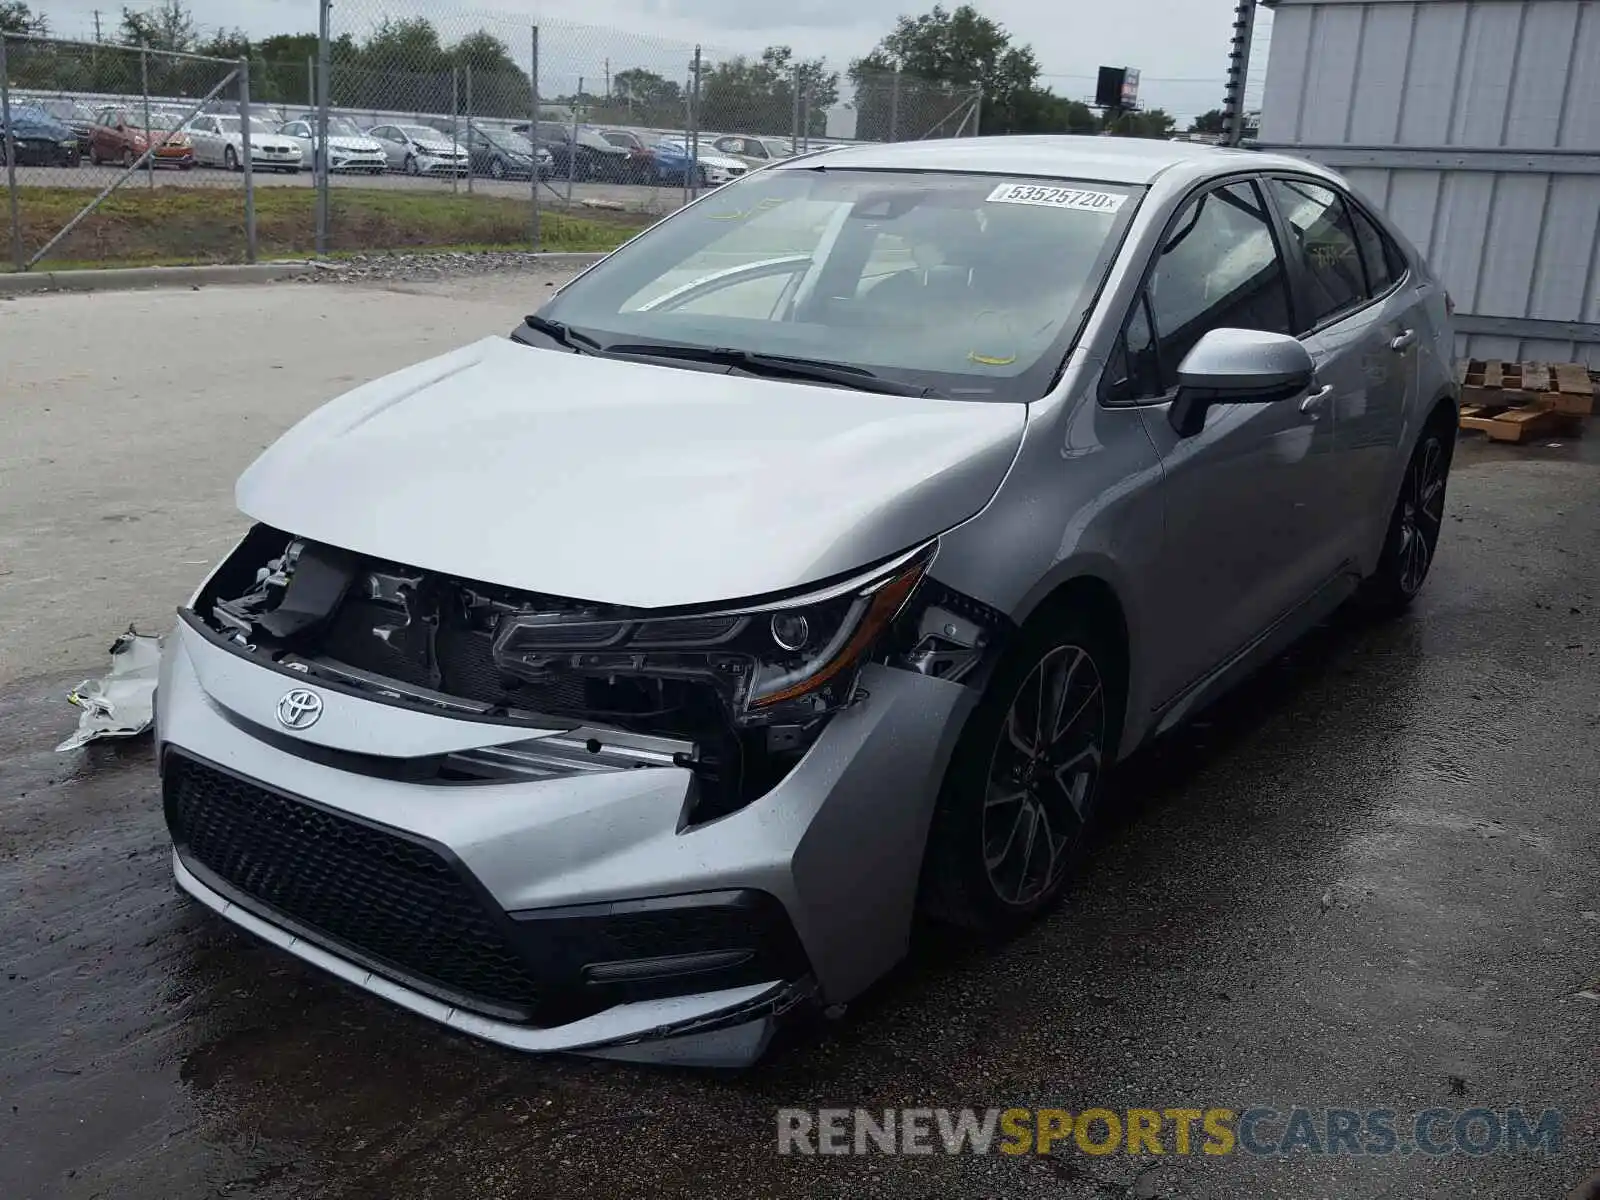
[783, 662]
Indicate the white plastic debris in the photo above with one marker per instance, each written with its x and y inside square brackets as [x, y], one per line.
[122, 703]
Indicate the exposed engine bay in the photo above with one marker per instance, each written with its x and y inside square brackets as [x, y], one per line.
[737, 695]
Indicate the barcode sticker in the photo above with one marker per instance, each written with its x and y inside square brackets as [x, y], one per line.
[1056, 197]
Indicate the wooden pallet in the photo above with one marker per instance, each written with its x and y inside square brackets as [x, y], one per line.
[1565, 387]
[1520, 424]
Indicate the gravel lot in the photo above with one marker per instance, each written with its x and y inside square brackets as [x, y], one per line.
[1365, 881]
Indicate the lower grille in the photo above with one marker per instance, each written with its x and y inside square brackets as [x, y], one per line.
[385, 897]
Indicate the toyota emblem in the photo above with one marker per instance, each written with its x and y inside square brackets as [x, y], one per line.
[299, 709]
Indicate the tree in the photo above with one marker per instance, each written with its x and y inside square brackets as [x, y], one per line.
[965, 50]
[167, 26]
[758, 96]
[1207, 122]
[646, 97]
[1141, 123]
[944, 58]
[500, 88]
[17, 17]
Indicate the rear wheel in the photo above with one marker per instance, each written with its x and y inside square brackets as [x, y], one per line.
[1414, 525]
[1020, 796]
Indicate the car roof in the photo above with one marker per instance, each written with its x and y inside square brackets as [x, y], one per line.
[1066, 156]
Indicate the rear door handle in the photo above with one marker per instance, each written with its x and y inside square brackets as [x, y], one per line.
[1403, 342]
[1313, 402]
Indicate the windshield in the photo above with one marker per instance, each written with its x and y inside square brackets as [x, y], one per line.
[161, 121]
[513, 142]
[24, 114]
[421, 133]
[232, 125]
[973, 285]
[341, 127]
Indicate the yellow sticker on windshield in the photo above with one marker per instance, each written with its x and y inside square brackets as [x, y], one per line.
[1057, 197]
[986, 360]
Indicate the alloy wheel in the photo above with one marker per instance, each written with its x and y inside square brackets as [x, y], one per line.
[1042, 776]
[1421, 514]
[497, 168]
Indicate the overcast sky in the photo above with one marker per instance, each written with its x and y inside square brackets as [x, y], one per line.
[1180, 46]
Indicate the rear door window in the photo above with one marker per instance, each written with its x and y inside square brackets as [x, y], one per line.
[1379, 255]
[1325, 241]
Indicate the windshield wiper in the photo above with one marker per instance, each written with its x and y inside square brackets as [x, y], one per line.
[565, 335]
[776, 366]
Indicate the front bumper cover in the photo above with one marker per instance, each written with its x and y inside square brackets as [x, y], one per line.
[727, 1028]
[837, 843]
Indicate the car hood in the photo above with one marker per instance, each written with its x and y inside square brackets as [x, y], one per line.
[624, 482]
[51, 130]
[722, 160]
[439, 147]
[364, 145]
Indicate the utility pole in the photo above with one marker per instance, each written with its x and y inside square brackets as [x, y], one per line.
[1244, 26]
[608, 81]
[97, 24]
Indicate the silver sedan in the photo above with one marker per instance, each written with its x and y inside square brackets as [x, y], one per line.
[800, 569]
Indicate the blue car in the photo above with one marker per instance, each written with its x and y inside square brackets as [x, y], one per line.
[670, 165]
[41, 140]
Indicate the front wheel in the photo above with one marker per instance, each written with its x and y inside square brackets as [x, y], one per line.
[1414, 525]
[497, 169]
[230, 160]
[412, 167]
[1020, 795]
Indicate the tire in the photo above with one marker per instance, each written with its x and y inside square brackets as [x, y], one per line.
[1000, 786]
[1413, 535]
[230, 160]
[497, 169]
[411, 167]
[127, 160]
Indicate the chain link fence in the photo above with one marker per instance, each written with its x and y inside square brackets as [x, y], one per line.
[102, 154]
[435, 129]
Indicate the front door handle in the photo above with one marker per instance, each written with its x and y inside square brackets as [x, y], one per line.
[1313, 403]
[1403, 343]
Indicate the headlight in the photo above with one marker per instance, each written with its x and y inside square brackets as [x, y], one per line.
[787, 661]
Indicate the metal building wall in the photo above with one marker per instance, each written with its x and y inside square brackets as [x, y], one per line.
[1475, 124]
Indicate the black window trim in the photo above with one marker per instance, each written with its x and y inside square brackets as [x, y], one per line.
[1352, 206]
[1141, 293]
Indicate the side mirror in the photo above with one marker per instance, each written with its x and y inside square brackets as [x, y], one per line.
[1237, 366]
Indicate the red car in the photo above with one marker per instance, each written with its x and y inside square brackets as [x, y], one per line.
[118, 136]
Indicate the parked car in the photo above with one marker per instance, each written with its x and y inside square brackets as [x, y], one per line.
[715, 169]
[589, 157]
[75, 114]
[218, 141]
[755, 151]
[40, 139]
[353, 150]
[503, 155]
[639, 167]
[418, 150]
[946, 478]
[119, 137]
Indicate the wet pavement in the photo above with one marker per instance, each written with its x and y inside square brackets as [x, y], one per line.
[1366, 880]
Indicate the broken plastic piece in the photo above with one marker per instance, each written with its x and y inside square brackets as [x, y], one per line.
[122, 703]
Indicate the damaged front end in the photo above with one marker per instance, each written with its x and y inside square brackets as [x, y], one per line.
[736, 693]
